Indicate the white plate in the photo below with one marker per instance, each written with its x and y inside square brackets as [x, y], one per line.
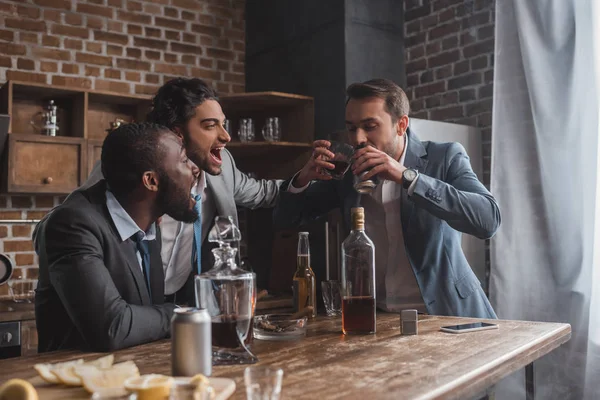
[224, 387]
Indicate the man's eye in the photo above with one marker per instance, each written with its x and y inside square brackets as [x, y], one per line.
[370, 127]
[210, 126]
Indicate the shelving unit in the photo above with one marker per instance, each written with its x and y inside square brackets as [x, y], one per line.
[35, 163]
[271, 159]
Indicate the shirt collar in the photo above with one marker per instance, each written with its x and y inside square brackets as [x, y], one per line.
[403, 156]
[200, 184]
[125, 225]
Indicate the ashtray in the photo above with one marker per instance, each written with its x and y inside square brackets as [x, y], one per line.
[279, 327]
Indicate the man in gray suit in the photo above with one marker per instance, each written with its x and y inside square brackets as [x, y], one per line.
[428, 194]
[191, 109]
[101, 283]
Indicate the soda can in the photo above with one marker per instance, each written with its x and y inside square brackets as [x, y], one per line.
[191, 342]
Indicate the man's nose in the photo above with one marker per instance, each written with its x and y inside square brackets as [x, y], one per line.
[224, 136]
[359, 137]
[195, 169]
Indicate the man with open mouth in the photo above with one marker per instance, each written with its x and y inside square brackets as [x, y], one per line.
[191, 109]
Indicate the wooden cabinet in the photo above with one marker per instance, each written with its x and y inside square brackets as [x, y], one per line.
[35, 163]
[45, 164]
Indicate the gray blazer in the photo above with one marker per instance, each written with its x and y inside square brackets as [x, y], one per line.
[448, 199]
[91, 293]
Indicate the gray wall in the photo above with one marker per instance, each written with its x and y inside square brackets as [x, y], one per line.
[317, 48]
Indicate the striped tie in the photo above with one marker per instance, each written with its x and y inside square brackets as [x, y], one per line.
[197, 246]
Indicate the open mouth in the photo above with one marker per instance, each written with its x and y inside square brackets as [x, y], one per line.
[215, 154]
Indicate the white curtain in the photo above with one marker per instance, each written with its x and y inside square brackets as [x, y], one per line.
[545, 259]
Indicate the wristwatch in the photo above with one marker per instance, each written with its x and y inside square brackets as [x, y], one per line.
[408, 177]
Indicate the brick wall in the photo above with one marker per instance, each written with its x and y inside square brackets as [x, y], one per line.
[122, 46]
[449, 63]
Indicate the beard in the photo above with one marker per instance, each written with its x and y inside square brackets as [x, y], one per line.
[174, 200]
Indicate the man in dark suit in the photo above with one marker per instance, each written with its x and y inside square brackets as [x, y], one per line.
[427, 197]
[101, 282]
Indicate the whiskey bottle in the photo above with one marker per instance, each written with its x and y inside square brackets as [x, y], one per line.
[358, 278]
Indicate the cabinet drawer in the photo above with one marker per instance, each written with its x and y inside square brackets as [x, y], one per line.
[41, 164]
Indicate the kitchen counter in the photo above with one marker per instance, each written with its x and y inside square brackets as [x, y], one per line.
[328, 365]
[11, 311]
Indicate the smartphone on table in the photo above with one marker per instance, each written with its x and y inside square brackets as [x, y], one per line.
[472, 327]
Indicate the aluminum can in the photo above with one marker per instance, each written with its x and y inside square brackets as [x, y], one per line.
[191, 342]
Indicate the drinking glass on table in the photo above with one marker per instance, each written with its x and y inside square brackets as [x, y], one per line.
[263, 383]
[342, 159]
[332, 297]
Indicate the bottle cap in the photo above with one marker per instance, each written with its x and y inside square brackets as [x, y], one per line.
[357, 217]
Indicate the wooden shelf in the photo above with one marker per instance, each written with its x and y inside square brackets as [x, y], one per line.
[249, 102]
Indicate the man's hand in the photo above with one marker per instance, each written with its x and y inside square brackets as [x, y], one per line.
[313, 169]
[382, 165]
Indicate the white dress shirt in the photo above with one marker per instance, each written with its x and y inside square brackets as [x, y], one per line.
[126, 226]
[178, 240]
[396, 285]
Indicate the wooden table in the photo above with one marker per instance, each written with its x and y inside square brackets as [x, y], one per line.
[329, 365]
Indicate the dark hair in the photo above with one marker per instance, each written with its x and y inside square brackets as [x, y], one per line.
[175, 102]
[396, 101]
[129, 151]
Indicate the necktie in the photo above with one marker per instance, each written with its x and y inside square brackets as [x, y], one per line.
[197, 246]
[142, 247]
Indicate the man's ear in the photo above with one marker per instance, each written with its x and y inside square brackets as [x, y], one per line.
[402, 125]
[150, 181]
[178, 131]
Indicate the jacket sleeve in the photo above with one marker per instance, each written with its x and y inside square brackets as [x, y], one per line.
[460, 199]
[249, 192]
[74, 253]
[297, 209]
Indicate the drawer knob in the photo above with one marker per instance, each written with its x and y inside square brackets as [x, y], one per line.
[48, 180]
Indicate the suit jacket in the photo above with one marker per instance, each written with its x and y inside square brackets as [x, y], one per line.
[448, 199]
[91, 293]
[230, 189]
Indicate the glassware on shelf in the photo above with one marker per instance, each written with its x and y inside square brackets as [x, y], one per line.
[246, 130]
[48, 118]
[271, 131]
[229, 294]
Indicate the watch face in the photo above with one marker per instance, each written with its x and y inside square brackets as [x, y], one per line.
[410, 174]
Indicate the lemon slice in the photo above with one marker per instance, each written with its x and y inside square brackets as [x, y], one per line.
[45, 370]
[18, 389]
[102, 380]
[150, 387]
[198, 380]
[68, 374]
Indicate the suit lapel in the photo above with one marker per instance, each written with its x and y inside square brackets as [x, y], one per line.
[97, 196]
[416, 158]
[223, 199]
